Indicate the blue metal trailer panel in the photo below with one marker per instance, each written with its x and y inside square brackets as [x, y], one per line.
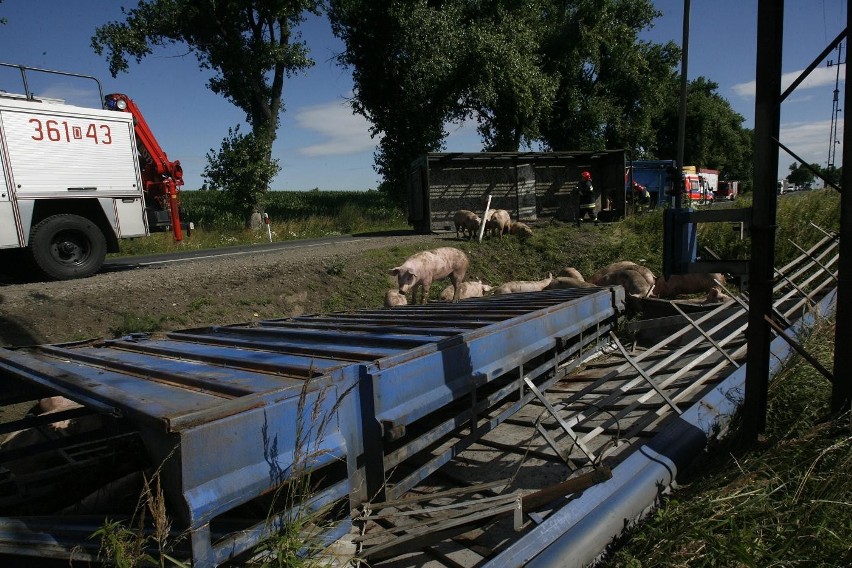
[230, 413]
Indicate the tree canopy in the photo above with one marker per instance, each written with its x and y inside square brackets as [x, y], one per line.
[249, 45]
[557, 74]
[566, 75]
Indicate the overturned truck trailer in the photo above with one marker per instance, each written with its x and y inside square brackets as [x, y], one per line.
[531, 186]
[245, 427]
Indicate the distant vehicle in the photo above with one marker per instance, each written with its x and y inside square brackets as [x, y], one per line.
[653, 175]
[700, 185]
[728, 190]
[784, 186]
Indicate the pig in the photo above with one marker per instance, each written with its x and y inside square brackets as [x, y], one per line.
[623, 265]
[53, 404]
[45, 433]
[394, 298]
[679, 284]
[524, 285]
[521, 230]
[716, 296]
[466, 222]
[563, 282]
[632, 281]
[498, 222]
[571, 272]
[468, 290]
[422, 268]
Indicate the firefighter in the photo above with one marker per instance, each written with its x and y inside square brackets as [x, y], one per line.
[587, 199]
[641, 196]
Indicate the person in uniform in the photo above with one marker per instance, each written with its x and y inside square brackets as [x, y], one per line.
[587, 199]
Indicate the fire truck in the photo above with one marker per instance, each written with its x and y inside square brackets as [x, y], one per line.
[728, 190]
[700, 185]
[75, 180]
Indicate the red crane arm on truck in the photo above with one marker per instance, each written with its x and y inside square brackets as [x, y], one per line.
[162, 177]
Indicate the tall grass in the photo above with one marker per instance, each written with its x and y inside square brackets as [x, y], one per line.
[794, 216]
[786, 502]
[212, 210]
[293, 215]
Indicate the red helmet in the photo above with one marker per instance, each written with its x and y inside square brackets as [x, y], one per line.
[586, 175]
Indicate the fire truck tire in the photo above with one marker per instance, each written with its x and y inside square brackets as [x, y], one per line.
[67, 246]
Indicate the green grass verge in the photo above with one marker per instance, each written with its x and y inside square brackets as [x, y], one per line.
[784, 502]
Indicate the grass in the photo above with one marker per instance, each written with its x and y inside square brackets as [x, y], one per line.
[293, 215]
[785, 502]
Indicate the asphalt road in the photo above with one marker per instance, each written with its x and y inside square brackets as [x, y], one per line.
[129, 262]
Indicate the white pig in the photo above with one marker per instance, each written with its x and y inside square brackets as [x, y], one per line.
[623, 265]
[571, 272]
[498, 222]
[716, 296]
[468, 290]
[524, 285]
[521, 230]
[564, 282]
[395, 298]
[422, 268]
[678, 284]
[632, 280]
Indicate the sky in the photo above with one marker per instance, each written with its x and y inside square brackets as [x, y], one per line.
[322, 144]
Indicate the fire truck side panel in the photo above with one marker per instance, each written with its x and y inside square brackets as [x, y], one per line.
[8, 228]
[124, 216]
[57, 152]
[8, 231]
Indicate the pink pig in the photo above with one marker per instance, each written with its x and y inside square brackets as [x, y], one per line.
[422, 268]
[679, 284]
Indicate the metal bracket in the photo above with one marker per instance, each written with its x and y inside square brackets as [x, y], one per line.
[706, 335]
[565, 426]
[644, 375]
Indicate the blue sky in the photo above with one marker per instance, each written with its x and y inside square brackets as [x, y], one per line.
[322, 144]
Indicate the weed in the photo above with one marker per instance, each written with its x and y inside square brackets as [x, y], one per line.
[127, 544]
[133, 323]
[199, 303]
[335, 267]
[122, 546]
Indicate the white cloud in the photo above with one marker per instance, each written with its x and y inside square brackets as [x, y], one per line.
[71, 94]
[819, 77]
[342, 131]
[810, 141]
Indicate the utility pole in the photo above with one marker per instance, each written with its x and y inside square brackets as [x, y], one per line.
[767, 124]
[835, 109]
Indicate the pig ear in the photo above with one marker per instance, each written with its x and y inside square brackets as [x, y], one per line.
[393, 271]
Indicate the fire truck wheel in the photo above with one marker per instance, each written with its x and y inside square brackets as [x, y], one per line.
[67, 246]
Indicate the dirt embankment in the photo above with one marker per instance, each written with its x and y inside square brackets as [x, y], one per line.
[217, 290]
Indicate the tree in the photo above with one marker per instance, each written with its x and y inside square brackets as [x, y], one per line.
[241, 169]
[715, 137]
[509, 92]
[609, 81]
[801, 175]
[249, 45]
[569, 74]
[407, 78]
